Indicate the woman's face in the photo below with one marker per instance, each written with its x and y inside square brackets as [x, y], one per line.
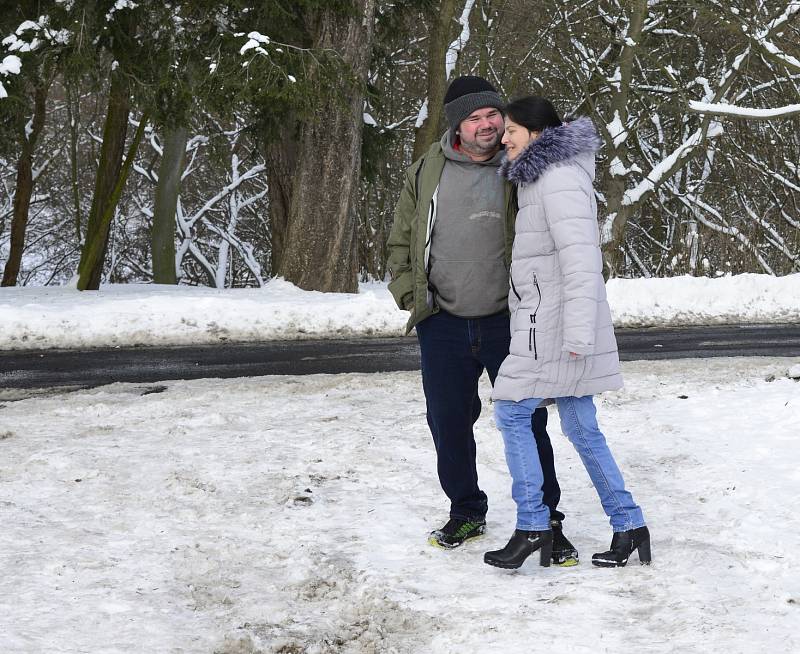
[516, 138]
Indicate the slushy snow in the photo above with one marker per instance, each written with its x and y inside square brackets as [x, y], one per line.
[289, 514]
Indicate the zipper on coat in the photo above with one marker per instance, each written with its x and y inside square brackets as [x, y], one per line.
[429, 229]
[511, 279]
[532, 330]
[532, 337]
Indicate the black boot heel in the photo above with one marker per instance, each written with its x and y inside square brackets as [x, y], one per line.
[520, 547]
[622, 544]
[644, 551]
[546, 554]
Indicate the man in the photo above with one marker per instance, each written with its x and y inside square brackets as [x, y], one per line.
[450, 251]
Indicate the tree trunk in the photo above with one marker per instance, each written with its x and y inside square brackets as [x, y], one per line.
[169, 187]
[617, 185]
[321, 250]
[114, 133]
[24, 186]
[281, 161]
[73, 105]
[438, 42]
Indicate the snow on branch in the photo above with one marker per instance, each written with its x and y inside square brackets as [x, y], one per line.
[119, 5]
[792, 8]
[253, 172]
[665, 168]
[258, 44]
[762, 37]
[422, 116]
[11, 65]
[719, 109]
[698, 208]
[779, 56]
[37, 35]
[457, 46]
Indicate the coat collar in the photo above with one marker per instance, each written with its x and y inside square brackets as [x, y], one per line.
[554, 145]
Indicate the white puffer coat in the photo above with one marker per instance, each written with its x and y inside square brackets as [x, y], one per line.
[557, 297]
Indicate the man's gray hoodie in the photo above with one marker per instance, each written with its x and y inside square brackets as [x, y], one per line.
[467, 271]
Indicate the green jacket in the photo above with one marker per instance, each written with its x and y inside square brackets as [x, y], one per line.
[409, 240]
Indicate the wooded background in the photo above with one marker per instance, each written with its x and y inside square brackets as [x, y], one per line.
[223, 143]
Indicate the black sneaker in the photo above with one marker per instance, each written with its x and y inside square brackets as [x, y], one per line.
[564, 552]
[455, 532]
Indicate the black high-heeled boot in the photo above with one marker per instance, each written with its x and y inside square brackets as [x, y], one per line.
[520, 547]
[622, 544]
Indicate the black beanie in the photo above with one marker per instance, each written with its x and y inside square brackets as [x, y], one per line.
[467, 94]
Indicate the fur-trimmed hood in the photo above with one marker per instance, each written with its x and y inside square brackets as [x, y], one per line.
[554, 145]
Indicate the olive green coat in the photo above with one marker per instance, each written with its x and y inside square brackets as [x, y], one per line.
[409, 240]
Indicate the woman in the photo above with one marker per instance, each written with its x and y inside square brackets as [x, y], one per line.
[562, 338]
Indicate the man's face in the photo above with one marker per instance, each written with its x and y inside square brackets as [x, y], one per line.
[481, 132]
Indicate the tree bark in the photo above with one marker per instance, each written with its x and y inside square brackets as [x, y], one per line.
[438, 42]
[115, 131]
[321, 249]
[73, 104]
[281, 161]
[24, 185]
[617, 185]
[169, 187]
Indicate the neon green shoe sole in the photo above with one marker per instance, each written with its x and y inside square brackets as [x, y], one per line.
[455, 533]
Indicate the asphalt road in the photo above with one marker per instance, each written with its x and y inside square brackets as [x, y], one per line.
[88, 368]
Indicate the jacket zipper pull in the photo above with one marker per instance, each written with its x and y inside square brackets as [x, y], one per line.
[532, 337]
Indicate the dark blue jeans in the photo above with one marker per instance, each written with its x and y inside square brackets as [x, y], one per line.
[455, 351]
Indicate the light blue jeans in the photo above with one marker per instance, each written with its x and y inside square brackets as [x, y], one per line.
[579, 423]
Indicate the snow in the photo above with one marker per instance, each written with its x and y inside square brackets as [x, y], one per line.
[27, 25]
[617, 130]
[150, 314]
[254, 41]
[786, 59]
[686, 300]
[289, 514]
[618, 169]
[455, 48]
[743, 112]
[661, 169]
[423, 114]
[11, 65]
[258, 37]
[119, 5]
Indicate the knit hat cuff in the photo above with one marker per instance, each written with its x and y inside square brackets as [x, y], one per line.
[458, 109]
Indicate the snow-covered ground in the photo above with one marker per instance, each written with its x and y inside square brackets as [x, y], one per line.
[289, 514]
[61, 317]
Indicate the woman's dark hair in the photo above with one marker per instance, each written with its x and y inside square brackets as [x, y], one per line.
[534, 113]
